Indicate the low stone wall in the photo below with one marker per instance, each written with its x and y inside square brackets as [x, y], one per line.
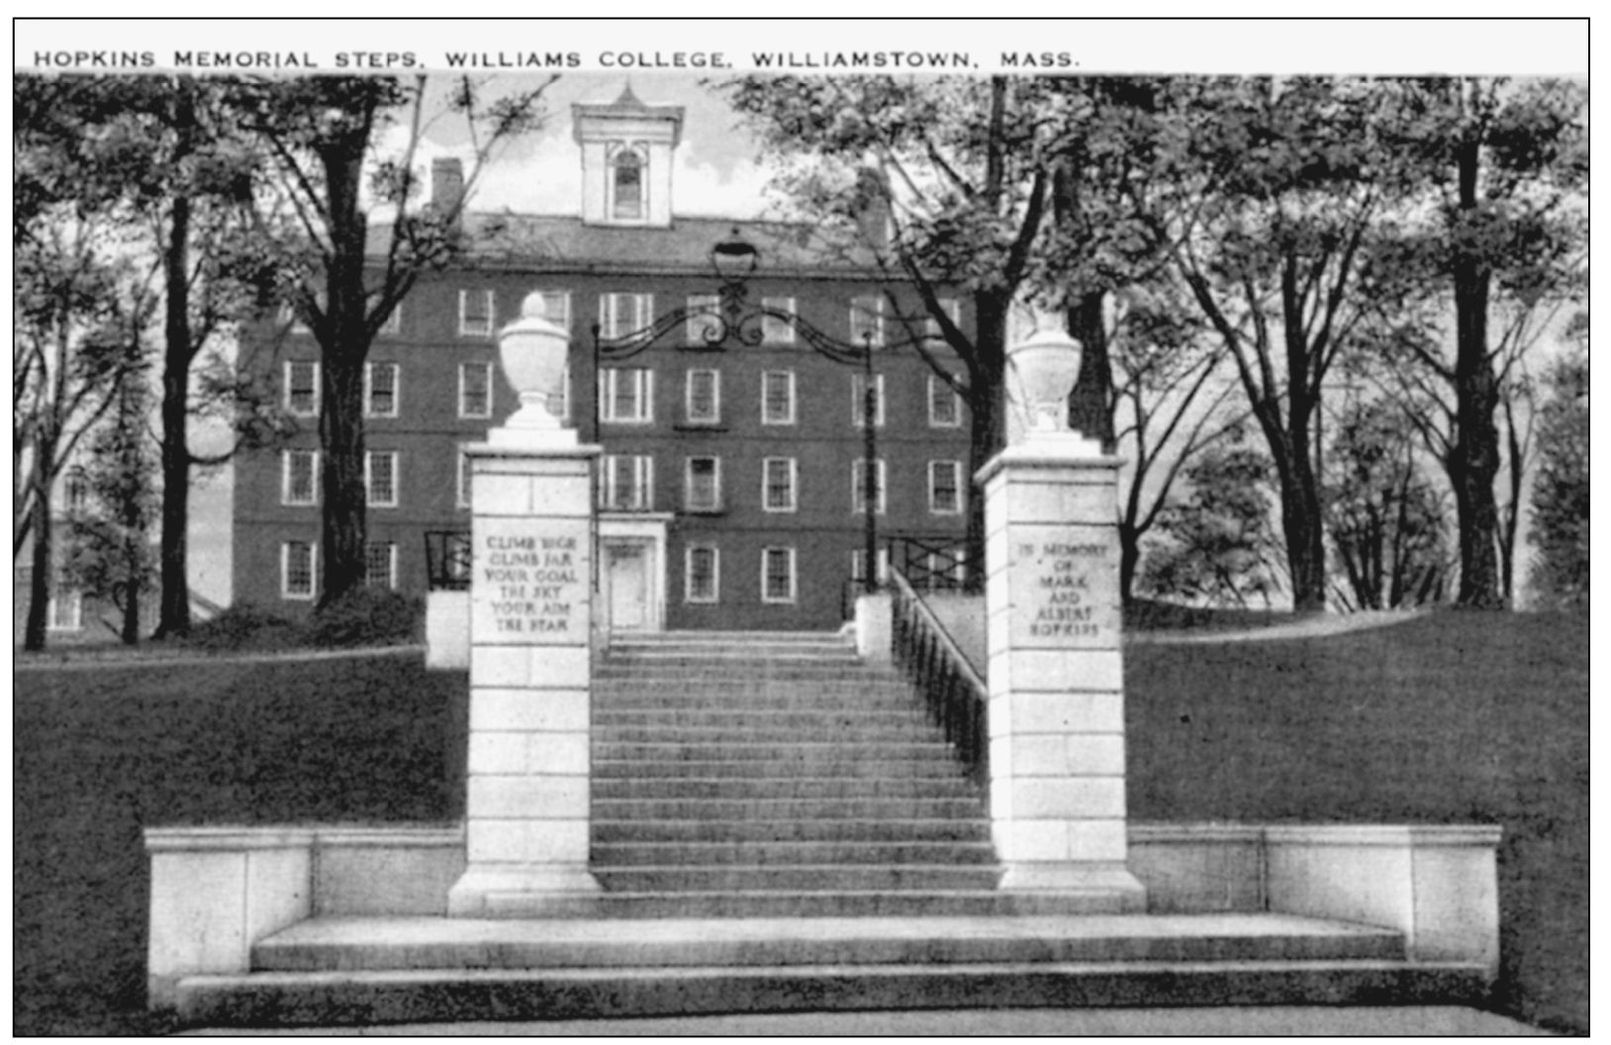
[216, 891]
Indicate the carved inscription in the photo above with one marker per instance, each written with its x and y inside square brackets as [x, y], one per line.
[1064, 588]
[531, 585]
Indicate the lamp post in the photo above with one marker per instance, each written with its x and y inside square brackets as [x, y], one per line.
[735, 321]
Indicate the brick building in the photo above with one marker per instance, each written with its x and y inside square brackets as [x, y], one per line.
[731, 486]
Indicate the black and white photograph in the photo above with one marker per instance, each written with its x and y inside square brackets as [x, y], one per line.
[800, 527]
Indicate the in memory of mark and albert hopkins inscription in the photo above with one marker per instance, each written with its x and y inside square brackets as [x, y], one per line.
[531, 582]
[1064, 587]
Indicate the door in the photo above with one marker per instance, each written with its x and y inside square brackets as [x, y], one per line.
[627, 577]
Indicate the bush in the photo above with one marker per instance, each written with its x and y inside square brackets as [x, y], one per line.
[245, 626]
[367, 617]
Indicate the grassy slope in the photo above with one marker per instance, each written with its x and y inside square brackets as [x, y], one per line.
[97, 755]
[1453, 718]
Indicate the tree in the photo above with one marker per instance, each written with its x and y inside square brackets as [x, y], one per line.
[1504, 166]
[1561, 488]
[108, 551]
[1217, 545]
[939, 183]
[81, 302]
[1384, 518]
[320, 135]
[1279, 196]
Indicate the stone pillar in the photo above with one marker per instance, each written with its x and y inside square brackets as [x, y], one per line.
[527, 829]
[1056, 709]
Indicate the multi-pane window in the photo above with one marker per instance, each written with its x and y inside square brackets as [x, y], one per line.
[299, 477]
[623, 314]
[867, 321]
[380, 565]
[556, 307]
[626, 482]
[858, 399]
[380, 389]
[76, 493]
[629, 189]
[702, 490]
[702, 397]
[778, 481]
[774, 330]
[945, 405]
[858, 486]
[947, 567]
[777, 575]
[858, 565]
[952, 307]
[380, 478]
[945, 487]
[777, 397]
[65, 611]
[475, 390]
[626, 395]
[297, 562]
[301, 388]
[704, 319]
[703, 573]
[475, 313]
[463, 499]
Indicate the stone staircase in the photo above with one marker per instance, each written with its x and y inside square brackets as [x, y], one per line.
[778, 829]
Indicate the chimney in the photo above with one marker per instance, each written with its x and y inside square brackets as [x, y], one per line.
[447, 184]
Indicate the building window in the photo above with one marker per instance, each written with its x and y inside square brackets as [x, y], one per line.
[302, 388]
[702, 490]
[76, 491]
[858, 486]
[778, 475]
[702, 398]
[556, 307]
[475, 390]
[65, 611]
[945, 404]
[951, 564]
[380, 389]
[299, 477]
[463, 500]
[867, 321]
[945, 487]
[858, 395]
[297, 562]
[380, 565]
[777, 575]
[775, 331]
[703, 571]
[777, 397]
[623, 314]
[704, 319]
[475, 313]
[629, 189]
[952, 307]
[626, 395]
[380, 478]
[627, 482]
[858, 565]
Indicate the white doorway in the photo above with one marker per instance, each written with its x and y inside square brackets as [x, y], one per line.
[631, 570]
[626, 585]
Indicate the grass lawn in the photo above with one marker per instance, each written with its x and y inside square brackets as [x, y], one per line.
[1449, 718]
[100, 754]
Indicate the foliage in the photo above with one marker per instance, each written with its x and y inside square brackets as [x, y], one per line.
[1384, 518]
[245, 626]
[1217, 545]
[1561, 487]
[367, 617]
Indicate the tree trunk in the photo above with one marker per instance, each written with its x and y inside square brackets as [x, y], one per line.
[173, 611]
[988, 411]
[1088, 411]
[131, 615]
[1129, 559]
[39, 580]
[1474, 458]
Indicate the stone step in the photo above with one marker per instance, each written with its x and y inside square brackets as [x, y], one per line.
[694, 670]
[291, 999]
[756, 702]
[822, 830]
[627, 641]
[780, 809]
[803, 879]
[790, 787]
[927, 766]
[820, 729]
[814, 752]
[743, 717]
[857, 903]
[330, 944]
[661, 854]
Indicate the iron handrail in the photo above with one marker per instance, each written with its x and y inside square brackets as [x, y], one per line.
[957, 697]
